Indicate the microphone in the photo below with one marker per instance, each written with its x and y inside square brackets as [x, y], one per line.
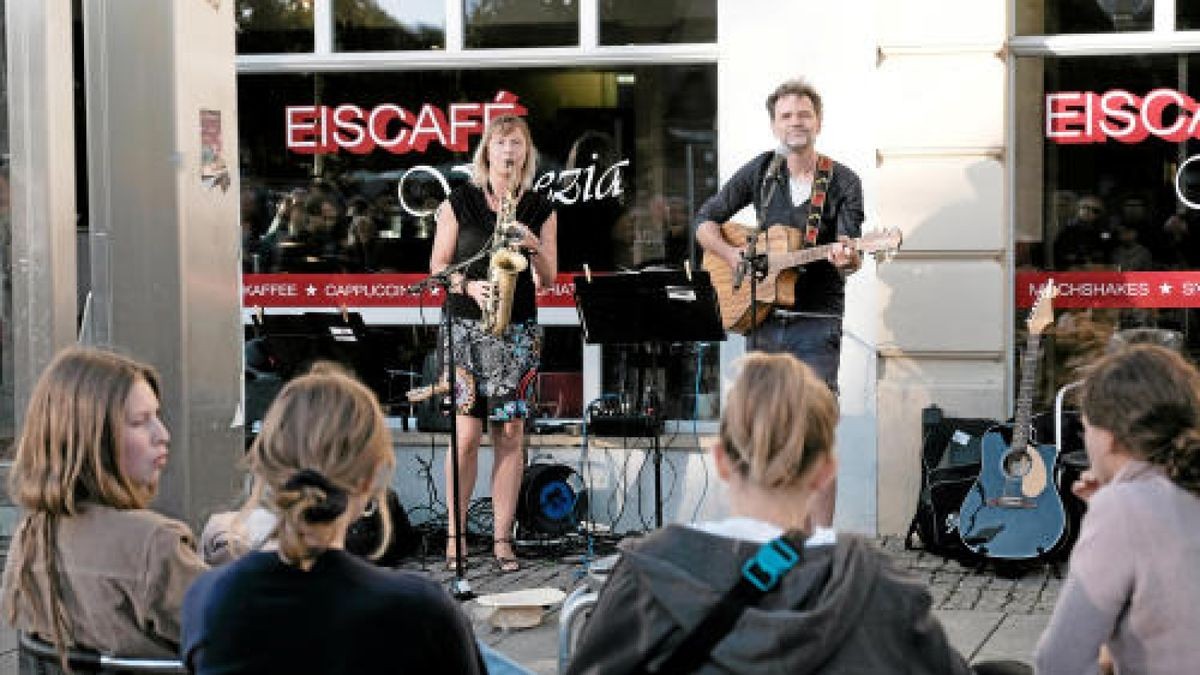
[778, 165]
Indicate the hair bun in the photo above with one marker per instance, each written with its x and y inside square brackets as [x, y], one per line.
[325, 510]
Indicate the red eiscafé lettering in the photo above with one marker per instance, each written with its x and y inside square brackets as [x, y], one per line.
[323, 129]
[1081, 117]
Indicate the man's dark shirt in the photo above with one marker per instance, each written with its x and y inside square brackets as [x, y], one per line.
[820, 289]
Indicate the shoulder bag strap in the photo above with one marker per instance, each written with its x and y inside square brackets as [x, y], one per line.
[760, 575]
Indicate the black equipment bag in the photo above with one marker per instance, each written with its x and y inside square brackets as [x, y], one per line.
[950, 463]
[363, 537]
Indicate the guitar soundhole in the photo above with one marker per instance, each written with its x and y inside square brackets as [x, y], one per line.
[1017, 464]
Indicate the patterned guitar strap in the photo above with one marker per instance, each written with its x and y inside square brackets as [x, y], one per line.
[816, 205]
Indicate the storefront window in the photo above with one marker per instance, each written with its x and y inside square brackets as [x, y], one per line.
[387, 25]
[274, 26]
[1049, 17]
[634, 22]
[520, 23]
[1187, 15]
[1110, 206]
[341, 173]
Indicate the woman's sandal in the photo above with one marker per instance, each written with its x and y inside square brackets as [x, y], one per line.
[506, 563]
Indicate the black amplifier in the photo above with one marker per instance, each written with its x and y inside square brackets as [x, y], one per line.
[624, 425]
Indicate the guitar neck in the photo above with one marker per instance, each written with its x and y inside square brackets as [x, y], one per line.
[807, 255]
[1024, 413]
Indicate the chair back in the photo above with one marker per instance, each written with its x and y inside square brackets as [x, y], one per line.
[38, 657]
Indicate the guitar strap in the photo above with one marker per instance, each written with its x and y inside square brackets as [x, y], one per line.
[816, 205]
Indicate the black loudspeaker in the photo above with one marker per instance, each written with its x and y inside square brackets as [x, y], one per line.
[552, 501]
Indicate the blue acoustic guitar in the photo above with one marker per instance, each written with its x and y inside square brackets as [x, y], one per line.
[1013, 511]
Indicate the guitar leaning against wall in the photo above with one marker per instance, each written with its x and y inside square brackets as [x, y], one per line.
[1014, 511]
[783, 252]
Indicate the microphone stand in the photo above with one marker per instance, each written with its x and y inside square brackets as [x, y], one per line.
[460, 587]
[757, 264]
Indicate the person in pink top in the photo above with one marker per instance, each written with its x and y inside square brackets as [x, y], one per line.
[1132, 591]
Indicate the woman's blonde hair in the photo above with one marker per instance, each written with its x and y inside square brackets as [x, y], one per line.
[1149, 398]
[323, 438]
[779, 419]
[68, 454]
[504, 124]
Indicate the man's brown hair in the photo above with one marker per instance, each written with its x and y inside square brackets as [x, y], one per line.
[796, 87]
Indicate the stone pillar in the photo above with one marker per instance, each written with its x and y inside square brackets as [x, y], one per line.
[162, 172]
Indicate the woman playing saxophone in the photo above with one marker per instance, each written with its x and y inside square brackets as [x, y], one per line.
[494, 373]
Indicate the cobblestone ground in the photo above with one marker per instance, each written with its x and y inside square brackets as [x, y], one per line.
[1031, 590]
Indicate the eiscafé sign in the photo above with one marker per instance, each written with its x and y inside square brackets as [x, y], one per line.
[1083, 117]
[327, 129]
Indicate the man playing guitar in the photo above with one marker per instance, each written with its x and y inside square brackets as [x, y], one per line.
[822, 200]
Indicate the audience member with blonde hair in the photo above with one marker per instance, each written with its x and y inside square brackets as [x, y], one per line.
[1132, 586]
[842, 608]
[90, 566]
[302, 603]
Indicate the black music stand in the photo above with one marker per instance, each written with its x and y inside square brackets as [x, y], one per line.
[654, 306]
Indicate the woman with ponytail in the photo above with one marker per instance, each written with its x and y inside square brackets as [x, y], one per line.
[1132, 587]
[843, 608]
[90, 567]
[303, 604]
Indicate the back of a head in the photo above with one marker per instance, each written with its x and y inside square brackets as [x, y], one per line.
[68, 448]
[779, 418]
[1148, 396]
[323, 438]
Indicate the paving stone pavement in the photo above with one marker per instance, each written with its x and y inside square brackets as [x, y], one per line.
[987, 615]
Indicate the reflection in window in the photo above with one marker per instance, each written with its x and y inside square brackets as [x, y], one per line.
[385, 25]
[274, 26]
[637, 379]
[520, 23]
[1187, 15]
[624, 22]
[1108, 206]
[1085, 16]
[628, 154]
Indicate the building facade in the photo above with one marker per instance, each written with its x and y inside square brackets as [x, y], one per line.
[1010, 142]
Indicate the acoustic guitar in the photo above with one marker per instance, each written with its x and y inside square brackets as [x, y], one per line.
[781, 245]
[1014, 511]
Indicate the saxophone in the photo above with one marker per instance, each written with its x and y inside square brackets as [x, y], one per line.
[506, 263]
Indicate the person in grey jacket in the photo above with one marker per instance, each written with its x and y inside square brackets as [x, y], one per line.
[843, 609]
